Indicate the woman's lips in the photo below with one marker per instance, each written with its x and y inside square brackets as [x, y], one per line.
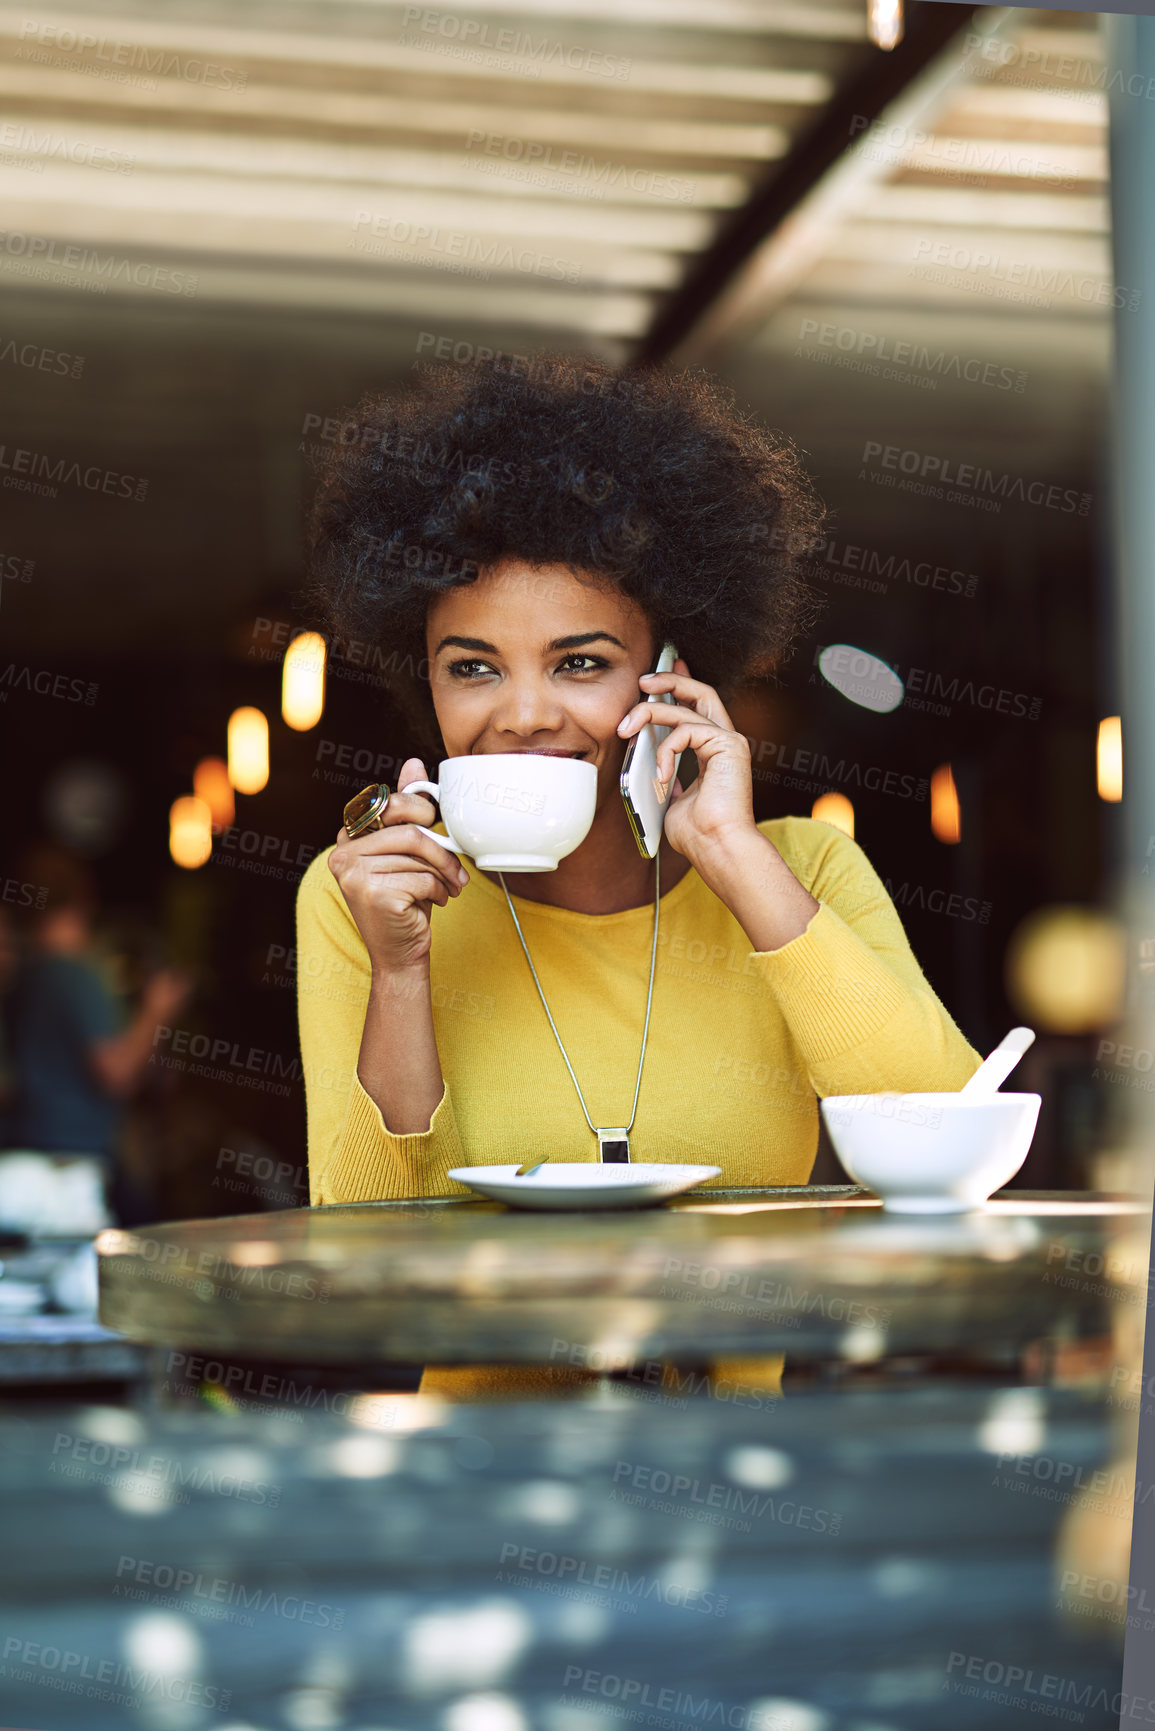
[541, 751]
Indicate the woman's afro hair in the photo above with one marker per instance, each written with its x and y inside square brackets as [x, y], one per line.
[654, 481]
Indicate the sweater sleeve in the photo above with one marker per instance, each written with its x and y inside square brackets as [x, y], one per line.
[353, 1157]
[858, 1006]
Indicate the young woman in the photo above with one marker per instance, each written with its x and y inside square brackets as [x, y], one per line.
[520, 546]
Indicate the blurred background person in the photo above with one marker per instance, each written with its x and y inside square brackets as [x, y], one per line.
[78, 1054]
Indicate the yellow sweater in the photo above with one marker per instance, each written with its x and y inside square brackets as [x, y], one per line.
[742, 1043]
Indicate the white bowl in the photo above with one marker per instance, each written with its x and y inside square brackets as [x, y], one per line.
[931, 1153]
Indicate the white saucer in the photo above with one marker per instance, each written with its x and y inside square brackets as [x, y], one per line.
[580, 1185]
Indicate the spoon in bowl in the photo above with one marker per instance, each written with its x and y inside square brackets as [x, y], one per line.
[993, 1071]
[529, 1167]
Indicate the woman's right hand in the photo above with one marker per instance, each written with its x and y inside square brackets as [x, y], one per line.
[391, 877]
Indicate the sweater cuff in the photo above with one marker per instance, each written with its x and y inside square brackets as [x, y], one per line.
[371, 1164]
[833, 990]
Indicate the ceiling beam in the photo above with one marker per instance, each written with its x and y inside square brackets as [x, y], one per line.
[881, 76]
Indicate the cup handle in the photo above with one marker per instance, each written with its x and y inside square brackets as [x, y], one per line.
[434, 792]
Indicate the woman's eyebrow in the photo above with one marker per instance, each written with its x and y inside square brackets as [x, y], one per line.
[578, 641]
[582, 638]
[466, 643]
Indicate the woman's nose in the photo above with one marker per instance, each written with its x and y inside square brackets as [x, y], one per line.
[526, 707]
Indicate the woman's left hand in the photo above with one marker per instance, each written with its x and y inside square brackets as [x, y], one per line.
[719, 806]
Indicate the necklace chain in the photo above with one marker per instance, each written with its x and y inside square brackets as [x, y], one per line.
[649, 999]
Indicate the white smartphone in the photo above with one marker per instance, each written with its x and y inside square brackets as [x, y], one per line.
[643, 795]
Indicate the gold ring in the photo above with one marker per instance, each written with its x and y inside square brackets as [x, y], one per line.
[363, 814]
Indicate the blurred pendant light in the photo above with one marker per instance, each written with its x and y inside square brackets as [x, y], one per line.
[211, 783]
[884, 22]
[835, 809]
[861, 677]
[945, 815]
[1066, 969]
[1109, 758]
[190, 831]
[248, 750]
[303, 681]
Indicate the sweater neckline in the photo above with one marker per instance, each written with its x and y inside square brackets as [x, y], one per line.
[667, 900]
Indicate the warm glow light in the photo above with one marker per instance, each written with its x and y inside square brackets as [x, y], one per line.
[211, 783]
[884, 22]
[1066, 970]
[190, 831]
[248, 750]
[399, 1413]
[1109, 758]
[303, 681]
[945, 816]
[836, 809]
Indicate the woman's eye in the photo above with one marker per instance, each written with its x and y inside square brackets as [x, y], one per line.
[469, 669]
[582, 663]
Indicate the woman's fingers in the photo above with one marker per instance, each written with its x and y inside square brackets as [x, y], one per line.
[667, 715]
[398, 847]
[400, 809]
[709, 743]
[689, 731]
[407, 849]
[404, 807]
[409, 808]
[694, 692]
[388, 870]
[391, 877]
[426, 851]
[416, 886]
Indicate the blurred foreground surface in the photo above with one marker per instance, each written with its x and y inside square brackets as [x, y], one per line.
[848, 1562]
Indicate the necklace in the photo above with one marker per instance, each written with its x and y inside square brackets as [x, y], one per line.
[613, 1142]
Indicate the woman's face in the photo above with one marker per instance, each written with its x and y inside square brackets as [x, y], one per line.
[532, 659]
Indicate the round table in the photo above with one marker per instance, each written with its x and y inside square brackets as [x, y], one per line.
[815, 1272]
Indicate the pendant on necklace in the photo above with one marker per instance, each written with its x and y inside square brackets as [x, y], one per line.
[614, 1146]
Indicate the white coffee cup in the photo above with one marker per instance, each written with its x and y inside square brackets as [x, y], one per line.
[512, 811]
